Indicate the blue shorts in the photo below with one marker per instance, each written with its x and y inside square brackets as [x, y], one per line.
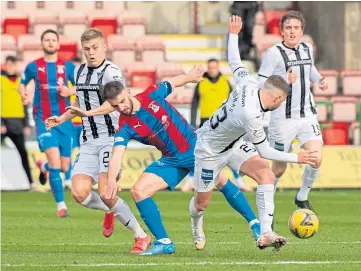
[172, 169]
[54, 138]
[77, 129]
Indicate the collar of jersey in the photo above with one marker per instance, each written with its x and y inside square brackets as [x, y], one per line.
[260, 102]
[94, 68]
[293, 49]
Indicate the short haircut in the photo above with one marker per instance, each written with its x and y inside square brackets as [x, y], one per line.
[111, 90]
[293, 15]
[90, 34]
[11, 58]
[212, 60]
[49, 31]
[276, 81]
[76, 59]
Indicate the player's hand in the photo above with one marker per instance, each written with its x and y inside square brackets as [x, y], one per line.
[323, 85]
[235, 24]
[3, 130]
[25, 98]
[112, 189]
[307, 157]
[292, 77]
[52, 122]
[27, 131]
[196, 74]
[65, 91]
[77, 111]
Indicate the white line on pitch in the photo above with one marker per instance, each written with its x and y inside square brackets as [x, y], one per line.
[176, 243]
[182, 264]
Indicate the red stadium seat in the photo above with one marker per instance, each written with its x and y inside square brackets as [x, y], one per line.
[335, 133]
[355, 133]
[151, 49]
[273, 19]
[73, 23]
[351, 82]
[142, 79]
[8, 46]
[16, 26]
[107, 25]
[122, 50]
[332, 80]
[68, 51]
[132, 23]
[30, 48]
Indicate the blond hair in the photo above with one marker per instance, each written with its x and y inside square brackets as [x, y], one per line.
[90, 34]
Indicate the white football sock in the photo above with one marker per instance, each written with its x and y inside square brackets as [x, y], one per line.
[125, 216]
[196, 219]
[93, 201]
[265, 205]
[61, 205]
[309, 177]
[276, 182]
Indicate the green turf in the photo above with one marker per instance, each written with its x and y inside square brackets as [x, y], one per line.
[35, 239]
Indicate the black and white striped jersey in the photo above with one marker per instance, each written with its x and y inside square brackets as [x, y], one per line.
[88, 84]
[276, 61]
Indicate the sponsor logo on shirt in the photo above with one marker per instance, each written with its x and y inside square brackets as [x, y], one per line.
[299, 62]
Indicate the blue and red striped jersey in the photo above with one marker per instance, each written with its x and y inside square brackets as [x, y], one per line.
[157, 123]
[48, 77]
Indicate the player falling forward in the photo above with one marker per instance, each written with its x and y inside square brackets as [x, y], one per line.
[220, 142]
[148, 118]
[91, 164]
[297, 117]
[51, 76]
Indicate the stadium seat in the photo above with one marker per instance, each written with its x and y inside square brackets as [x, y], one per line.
[332, 80]
[122, 50]
[136, 67]
[335, 133]
[344, 109]
[8, 46]
[273, 19]
[168, 69]
[16, 26]
[142, 79]
[116, 7]
[68, 51]
[43, 20]
[151, 49]
[355, 133]
[323, 105]
[351, 82]
[107, 25]
[30, 48]
[73, 24]
[132, 23]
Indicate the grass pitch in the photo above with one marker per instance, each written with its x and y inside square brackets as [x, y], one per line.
[33, 238]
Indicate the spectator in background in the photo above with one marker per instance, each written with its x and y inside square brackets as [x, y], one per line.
[77, 129]
[209, 95]
[247, 11]
[14, 117]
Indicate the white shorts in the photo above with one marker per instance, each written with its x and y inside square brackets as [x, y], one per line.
[93, 158]
[207, 169]
[282, 132]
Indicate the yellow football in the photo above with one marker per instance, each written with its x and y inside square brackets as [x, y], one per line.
[303, 223]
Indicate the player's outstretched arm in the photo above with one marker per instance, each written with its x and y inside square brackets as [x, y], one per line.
[115, 167]
[54, 121]
[104, 109]
[234, 27]
[194, 75]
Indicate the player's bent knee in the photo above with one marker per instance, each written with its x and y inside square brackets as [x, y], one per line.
[138, 194]
[201, 206]
[79, 195]
[317, 164]
[266, 177]
[65, 166]
[279, 170]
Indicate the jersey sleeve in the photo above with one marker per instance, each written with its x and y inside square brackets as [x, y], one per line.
[255, 130]
[70, 69]
[28, 74]
[315, 76]
[240, 72]
[164, 89]
[268, 65]
[113, 73]
[123, 136]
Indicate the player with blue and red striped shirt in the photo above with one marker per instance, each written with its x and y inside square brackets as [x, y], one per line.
[51, 77]
[150, 119]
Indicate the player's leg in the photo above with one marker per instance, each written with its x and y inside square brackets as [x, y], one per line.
[310, 138]
[160, 175]
[239, 181]
[188, 182]
[19, 142]
[258, 169]
[65, 148]
[77, 129]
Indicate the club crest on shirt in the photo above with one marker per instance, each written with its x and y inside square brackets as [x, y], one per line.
[60, 69]
[154, 107]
